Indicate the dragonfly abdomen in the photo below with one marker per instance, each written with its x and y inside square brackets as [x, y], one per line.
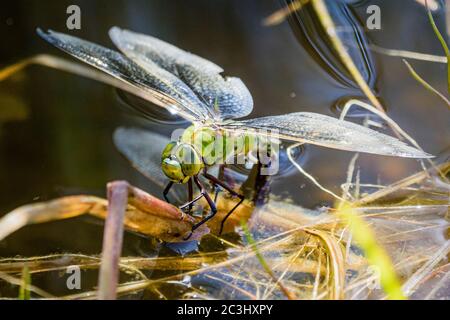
[218, 146]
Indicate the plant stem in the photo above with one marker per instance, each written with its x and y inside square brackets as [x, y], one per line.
[442, 41]
[426, 84]
[263, 262]
[112, 240]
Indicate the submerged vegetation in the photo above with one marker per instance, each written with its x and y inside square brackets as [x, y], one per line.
[311, 255]
[376, 242]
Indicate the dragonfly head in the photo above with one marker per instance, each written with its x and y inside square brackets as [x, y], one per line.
[180, 162]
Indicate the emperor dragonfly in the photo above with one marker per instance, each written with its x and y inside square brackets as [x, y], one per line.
[194, 88]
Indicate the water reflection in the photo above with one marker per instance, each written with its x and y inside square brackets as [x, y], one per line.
[65, 145]
[314, 38]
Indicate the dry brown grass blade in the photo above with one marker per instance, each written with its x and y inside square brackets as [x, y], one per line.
[290, 217]
[409, 54]
[155, 221]
[145, 214]
[60, 209]
[151, 222]
[404, 183]
[189, 263]
[58, 63]
[18, 282]
[338, 268]
[426, 269]
[318, 226]
[244, 255]
[265, 265]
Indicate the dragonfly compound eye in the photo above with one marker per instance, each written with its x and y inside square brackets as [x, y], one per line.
[190, 159]
[168, 150]
[172, 169]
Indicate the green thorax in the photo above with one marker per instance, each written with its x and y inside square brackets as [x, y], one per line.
[216, 146]
[201, 146]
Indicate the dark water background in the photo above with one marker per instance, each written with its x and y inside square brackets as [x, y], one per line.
[64, 146]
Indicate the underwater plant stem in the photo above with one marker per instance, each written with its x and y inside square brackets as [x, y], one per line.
[426, 84]
[263, 262]
[442, 41]
[306, 174]
[112, 240]
[425, 270]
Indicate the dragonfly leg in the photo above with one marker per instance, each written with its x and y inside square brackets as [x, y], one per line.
[190, 203]
[222, 172]
[231, 191]
[211, 203]
[191, 200]
[221, 184]
[220, 176]
[190, 194]
[166, 191]
[216, 195]
[222, 223]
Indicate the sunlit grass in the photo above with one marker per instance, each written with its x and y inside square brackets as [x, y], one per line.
[375, 254]
[24, 291]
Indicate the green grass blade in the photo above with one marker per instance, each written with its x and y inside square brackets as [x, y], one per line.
[24, 292]
[426, 84]
[375, 254]
[443, 43]
[263, 262]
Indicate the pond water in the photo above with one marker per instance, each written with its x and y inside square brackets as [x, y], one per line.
[56, 129]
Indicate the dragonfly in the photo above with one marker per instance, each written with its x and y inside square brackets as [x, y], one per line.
[196, 89]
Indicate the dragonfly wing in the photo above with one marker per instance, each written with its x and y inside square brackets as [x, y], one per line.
[143, 149]
[158, 86]
[328, 132]
[230, 94]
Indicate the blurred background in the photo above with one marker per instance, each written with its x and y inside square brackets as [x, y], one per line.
[56, 128]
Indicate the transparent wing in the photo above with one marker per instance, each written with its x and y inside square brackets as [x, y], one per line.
[143, 149]
[328, 132]
[151, 83]
[204, 77]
